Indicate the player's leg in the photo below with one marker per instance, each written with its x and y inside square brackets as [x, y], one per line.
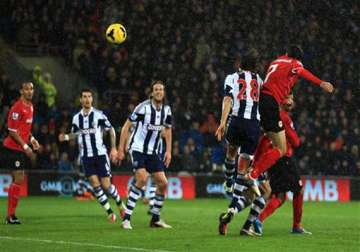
[101, 196]
[104, 173]
[257, 206]
[276, 201]
[232, 140]
[135, 194]
[16, 161]
[14, 196]
[152, 194]
[230, 168]
[270, 120]
[298, 198]
[270, 157]
[111, 190]
[161, 187]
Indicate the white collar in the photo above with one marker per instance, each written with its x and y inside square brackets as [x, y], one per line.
[83, 113]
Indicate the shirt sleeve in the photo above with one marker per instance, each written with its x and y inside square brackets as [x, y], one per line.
[14, 118]
[168, 119]
[74, 125]
[299, 70]
[138, 114]
[228, 86]
[104, 122]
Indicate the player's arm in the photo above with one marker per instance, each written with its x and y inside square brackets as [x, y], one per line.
[290, 132]
[75, 131]
[226, 107]
[35, 144]
[106, 125]
[124, 135]
[168, 138]
[306, 74]
[168, 141]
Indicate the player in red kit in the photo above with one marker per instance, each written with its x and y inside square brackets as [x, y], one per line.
[17, 147]
[284, 176]
[281, 77]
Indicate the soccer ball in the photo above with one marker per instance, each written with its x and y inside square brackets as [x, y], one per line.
[116, 33]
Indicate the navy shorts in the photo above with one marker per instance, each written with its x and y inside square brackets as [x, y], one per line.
[98, 165]
[243, 133]
[152, 163]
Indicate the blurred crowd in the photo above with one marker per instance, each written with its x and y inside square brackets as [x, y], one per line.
[192, 46]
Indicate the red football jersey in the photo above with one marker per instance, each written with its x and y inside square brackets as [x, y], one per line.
[20, 119]
[282, 75]
[292, 138]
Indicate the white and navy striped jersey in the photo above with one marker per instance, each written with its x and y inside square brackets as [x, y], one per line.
[244, 88]
[149, 124]
[89, 129]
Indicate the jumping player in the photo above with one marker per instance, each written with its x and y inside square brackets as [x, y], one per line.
[281, 77]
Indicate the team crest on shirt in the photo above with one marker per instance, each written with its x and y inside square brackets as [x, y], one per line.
[15, 116]
[17, 163]
[280, 124]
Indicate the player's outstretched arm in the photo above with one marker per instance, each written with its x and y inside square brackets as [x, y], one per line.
[227, 101]
[124, 135]
[306, 74]
[67, 137]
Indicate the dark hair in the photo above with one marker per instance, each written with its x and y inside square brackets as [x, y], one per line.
[249, 60]
[85, 90]
[295, 51]
[156, 82]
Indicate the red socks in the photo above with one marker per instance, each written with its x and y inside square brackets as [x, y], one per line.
[13, 198]
[297, 209]
[266, 160]
[263, 146]
[270, 208]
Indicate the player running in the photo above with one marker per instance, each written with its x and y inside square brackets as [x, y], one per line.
[152, 117]
[17, 149]
[281, 77]
[88, 127]
[284, 176]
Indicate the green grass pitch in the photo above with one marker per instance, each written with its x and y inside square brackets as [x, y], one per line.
[65, 224]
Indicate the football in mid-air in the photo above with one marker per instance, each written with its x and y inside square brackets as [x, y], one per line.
[116, 33]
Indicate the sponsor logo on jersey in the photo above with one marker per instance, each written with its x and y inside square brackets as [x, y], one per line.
[155, 127]
[88, 131]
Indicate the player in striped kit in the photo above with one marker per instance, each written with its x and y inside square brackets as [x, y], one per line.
[241, 97]
[88, 127]
[152, 118]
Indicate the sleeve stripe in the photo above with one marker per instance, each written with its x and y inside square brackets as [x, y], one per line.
[10, 129]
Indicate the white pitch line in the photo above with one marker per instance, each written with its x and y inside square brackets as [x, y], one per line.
[84, 244]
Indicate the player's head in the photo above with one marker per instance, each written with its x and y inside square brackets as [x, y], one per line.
[27, 91]
[295, 51]
[249, 60]
[288, 103]
[86, 98]
[158, 91]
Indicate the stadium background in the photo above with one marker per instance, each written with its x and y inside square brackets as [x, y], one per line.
[191, 45]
